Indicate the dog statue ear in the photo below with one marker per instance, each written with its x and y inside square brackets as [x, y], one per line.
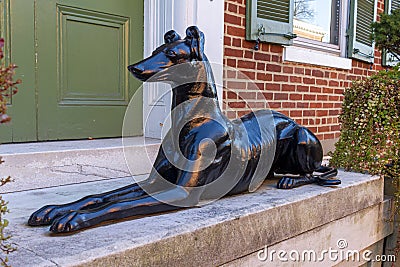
[171, 36]
[196, 39]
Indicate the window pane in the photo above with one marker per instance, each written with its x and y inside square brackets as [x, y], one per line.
[317, 20]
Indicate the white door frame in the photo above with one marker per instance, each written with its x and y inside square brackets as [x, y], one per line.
[163, 15]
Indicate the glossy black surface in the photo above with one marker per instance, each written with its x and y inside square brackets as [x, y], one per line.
[238, 146]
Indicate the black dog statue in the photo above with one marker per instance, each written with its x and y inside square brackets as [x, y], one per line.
[204, 155]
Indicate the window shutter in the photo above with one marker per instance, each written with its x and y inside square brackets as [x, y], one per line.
[362, 14]
[270, 20]
[388, 59]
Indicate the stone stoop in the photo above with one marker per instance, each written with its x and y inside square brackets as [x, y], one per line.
[48, 164]
[230, 231]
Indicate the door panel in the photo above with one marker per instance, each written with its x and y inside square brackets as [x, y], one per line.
[83, 48]
[17, 28]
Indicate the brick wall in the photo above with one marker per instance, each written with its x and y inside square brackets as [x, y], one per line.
[312, 95]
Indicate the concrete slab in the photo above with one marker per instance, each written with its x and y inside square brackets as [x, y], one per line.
[212, 235]
[47, 164]
[354, 233]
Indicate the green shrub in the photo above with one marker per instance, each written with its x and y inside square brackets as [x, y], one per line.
[8, 87]
[370, 126]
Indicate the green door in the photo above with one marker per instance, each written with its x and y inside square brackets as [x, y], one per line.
[79, 50]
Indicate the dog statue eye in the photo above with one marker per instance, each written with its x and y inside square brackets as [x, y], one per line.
[170, 53]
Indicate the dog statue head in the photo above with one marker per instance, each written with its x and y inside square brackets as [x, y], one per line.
[173, 52]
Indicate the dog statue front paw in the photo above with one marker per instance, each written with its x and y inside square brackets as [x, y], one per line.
[70, 222]
[46, 215]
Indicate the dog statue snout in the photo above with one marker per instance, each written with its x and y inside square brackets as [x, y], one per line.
[136, 70]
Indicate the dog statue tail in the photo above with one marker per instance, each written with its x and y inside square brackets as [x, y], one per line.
[325, 177]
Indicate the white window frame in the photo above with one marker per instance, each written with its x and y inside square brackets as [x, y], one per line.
[318, 53]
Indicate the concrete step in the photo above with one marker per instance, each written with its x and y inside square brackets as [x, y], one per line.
[47, 164]
[229, 231]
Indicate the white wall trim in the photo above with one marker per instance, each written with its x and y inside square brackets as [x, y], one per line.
[163, 15]
[309, 56]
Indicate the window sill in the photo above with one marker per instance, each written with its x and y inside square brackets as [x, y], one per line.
[309, 56]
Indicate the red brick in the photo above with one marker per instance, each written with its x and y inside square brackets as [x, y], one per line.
[233, 52]
[317, 73]
[288, 105]
[289, 87]
[358, 71]
[227, 40]
[334, 112]
[231, 62]
[257, 105]
[247, 44]
[309, 97]
[260, 66]
[323, 129]
[307, 72]
[321, 82]
[288, 70]
[232, 19]
[233, 85]
[333, 83]
[339, 91]
[317, 105]
[260, 86]
[295, 79]
[235, 31]
[276, 49]
[308, 80]
[296, 113]
[247, 95]
[275, 58]
[322, 113]
[302, 104]
[302, 88]
[274, 68]
[314, 89]
[295, 96]
[242, 10]
[248, 54]
[285, 112]
[231, 74]
[335, 128]
[264, 76]
[299, 70]
[262, 56]
[237, 42]
[280, 78]
[273, 87]
[309, 113]
[231, 95]
[274, 105]
[232, 7]
[328, 91]
[250, 75]
[237, 104]
[267, 96]
[322, 98]
[333, 98]
[281, 96]
[328, 105]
